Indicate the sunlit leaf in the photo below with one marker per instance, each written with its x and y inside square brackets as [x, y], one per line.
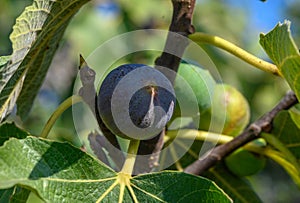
[59, 172]
[281, 48]
[14, 194]
[35, 38]
[3, 61]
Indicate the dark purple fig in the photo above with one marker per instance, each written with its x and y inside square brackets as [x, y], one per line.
[135, 101]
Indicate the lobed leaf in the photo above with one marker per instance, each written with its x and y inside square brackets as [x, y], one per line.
[59, 172]
[35, 38]
[281, 48]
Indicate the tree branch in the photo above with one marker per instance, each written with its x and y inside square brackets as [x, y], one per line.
[175, 46]
[176, 43]
[264, 124]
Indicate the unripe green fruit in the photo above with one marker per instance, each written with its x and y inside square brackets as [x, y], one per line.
[237, 109]
[244, 163]
[135, 101]
[194, 86]
[230, 111]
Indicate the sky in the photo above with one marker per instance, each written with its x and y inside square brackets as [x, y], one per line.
[263, 15]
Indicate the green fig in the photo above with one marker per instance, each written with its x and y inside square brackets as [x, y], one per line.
[230, 111]
[193, 88]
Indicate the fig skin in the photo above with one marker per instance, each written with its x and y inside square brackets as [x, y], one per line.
[155, 92]
[201, 85]
[237, 109]
[230, 111]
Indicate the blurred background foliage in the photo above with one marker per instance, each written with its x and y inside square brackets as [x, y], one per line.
[237, 21]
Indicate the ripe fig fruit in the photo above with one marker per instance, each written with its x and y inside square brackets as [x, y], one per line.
[244, 163]
[194, 85]
[230, 111]
[135, 101]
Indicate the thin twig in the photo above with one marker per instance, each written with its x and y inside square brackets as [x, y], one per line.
[264, 124]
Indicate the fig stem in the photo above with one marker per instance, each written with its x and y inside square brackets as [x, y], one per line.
[60, 109]
[131, 157]
[199, 135]
[221, 43]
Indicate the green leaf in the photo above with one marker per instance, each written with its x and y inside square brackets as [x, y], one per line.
[295, 114]
[237, 188]
[35, 38]
[59, 172]
[281, 48]
[287, 141]
[8, 130]
[3, 62]
[6, 194]
[171, 186]
[287, 132]
[14, 195]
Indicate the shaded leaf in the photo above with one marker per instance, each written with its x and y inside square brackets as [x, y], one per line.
[287, 132]
[281, 48]
[58, 171]
[35, 38]
[176, 187]
[8, 130]
[287, 141]
[14, 194]
[237, 188]
[295, 114]
[6, 194]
